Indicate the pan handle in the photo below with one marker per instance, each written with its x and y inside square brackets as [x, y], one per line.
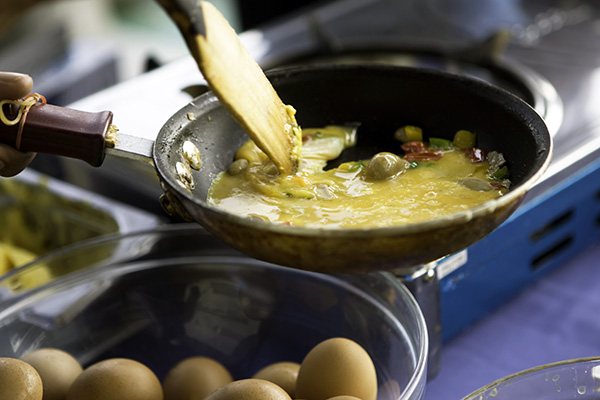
[62, 131]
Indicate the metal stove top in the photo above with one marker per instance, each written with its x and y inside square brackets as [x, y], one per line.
[554, 47]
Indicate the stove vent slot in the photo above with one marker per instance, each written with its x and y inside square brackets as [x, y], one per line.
[552, 225]
[552, 238]
[544, 258]
[598, 214]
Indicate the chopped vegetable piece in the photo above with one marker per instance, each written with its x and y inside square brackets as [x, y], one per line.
[238, 166]
[476, 155]
[414, 147]
[356, 166]
[385, 165]
[478, 185]
[496, 160]
[464, 139]
[439, 143]
[409, 133]
[500, 174]
[503, 184]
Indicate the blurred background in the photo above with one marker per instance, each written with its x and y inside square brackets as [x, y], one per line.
[73, 48]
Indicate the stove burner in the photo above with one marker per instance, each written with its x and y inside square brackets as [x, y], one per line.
[516, 78]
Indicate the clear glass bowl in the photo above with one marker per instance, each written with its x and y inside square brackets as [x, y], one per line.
[572, 379]
[160, 296]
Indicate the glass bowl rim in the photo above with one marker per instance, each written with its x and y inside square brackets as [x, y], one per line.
[529, 371]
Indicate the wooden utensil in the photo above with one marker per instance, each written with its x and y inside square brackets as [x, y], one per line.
[237, 80]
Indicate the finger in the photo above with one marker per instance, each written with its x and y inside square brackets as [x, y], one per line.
[13, 161]
[14, 85]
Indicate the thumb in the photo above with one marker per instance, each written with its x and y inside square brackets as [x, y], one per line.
[14, 85]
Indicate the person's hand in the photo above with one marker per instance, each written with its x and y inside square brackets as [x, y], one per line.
[14, 86]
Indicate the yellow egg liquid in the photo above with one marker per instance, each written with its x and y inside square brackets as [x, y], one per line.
[346, 197]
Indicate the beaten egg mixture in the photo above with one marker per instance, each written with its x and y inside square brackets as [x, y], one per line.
[430, 180]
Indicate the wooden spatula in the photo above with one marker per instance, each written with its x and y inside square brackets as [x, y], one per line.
[237, 80]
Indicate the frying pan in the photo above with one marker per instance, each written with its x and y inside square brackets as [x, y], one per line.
[379, 98]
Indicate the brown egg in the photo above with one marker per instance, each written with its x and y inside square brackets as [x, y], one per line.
[249, 389]
[336, 367]
[283, 374]
[19, 380]
[343, 397]
[116, 378]
[57, 369]
[195, 378]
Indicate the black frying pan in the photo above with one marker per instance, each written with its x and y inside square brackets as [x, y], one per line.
[381, 99]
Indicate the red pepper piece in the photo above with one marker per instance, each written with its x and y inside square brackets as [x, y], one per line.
[476, 155]
[423, 156]
[497, 185]
[414, 147]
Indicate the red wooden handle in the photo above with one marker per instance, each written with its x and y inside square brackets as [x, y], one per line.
[58, 130]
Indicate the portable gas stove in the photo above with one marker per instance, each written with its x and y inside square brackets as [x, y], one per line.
[551, 58]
